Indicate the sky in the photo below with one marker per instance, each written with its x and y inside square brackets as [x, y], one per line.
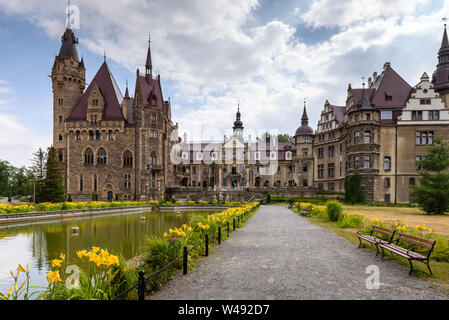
[267, 55]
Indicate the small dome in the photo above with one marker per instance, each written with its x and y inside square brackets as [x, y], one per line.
[304, 130]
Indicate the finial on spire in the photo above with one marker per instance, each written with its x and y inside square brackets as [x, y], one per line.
[238, 105]
[363, 82]
[445, 21]
[69, 22]
[104, 55]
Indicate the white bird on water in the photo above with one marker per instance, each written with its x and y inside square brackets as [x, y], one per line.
[74, 229]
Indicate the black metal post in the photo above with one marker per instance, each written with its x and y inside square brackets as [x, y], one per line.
[141, 287]
[219, 235]
[229, 231]
[206, 249]
[184, 261]
[234, 223]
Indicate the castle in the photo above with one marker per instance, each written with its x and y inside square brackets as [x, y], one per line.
[126, 148]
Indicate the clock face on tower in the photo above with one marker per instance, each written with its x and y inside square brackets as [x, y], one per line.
[234, 143]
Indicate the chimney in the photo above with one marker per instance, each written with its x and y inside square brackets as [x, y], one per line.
[370, 82]
[185, 137]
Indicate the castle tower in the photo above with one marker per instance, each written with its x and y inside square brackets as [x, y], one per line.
[440, 78]
[304, 154]
[68, 82]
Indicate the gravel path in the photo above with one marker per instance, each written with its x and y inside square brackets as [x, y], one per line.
[280, 255]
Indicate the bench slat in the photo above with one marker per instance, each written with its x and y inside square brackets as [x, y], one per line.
[431, 242]
[414, 242]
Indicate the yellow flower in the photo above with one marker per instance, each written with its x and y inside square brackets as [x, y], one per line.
[95, 249]
[20, 268]
[56, 263]
[54, 277]
[62, 256]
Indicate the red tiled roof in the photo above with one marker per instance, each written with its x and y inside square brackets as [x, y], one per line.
[150, 87]
[110, 92]
[339, 112]
[391, 84]
[388, 83]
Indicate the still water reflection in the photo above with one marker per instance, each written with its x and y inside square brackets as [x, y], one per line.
[37, 244]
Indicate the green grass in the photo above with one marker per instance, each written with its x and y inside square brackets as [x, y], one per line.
[440, 270]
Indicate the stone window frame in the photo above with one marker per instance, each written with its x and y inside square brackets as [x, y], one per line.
[102, 156]
[89, 159]
[153, 158]
[288, 155]
[127, 161]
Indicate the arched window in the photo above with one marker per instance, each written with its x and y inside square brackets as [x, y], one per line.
[127, 159]
[88, 156]
[101, 156]
[153, 158]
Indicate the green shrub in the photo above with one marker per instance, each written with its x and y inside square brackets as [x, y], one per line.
[334, 210]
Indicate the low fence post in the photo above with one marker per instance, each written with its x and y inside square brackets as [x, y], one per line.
[141, 286]
[234, 224]
[206, 248]
[184, 261]
[229, 231]
[219, 235]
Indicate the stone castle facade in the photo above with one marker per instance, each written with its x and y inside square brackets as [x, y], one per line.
[123, 147]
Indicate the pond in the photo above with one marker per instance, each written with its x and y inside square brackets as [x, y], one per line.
[38, 243]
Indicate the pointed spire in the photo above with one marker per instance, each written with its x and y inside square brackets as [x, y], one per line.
[149, 64]
[238, 124]
[126, 91]
[304, 118]
[441, 74]
[68, 45]
[364, 102]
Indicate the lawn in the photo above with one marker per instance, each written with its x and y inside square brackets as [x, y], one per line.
[413, 216]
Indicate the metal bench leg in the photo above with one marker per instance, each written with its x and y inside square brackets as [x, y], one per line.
[377, 250]
[360, 242]
[383, 254]
[428, 267]
[411, 267]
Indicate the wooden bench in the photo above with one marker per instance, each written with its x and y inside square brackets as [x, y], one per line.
[376, 236]
[422, 255]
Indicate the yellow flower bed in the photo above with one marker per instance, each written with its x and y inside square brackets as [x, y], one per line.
[6, 208]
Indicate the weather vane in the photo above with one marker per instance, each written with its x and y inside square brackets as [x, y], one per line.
[445, 20]
[363, 82]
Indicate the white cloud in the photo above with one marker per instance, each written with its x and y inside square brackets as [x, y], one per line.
[17, 142]
[331, 13]
[211, 60]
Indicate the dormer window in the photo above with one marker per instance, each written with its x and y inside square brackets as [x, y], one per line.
[424, 101]
[153, 100]
[94, 102]
[388, 96]
[288, 155]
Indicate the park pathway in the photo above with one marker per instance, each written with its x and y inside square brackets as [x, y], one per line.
[280, 255]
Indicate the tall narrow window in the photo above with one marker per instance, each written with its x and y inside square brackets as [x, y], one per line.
[367, 162]
[101, 156]
[387, 163]
[81, 184]
[127, 159]
[153, 159]
[356, 162]
[78, 135]
[367, 137]
[111, 135]
[95, 183]
[357, 137]
[88, 156]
